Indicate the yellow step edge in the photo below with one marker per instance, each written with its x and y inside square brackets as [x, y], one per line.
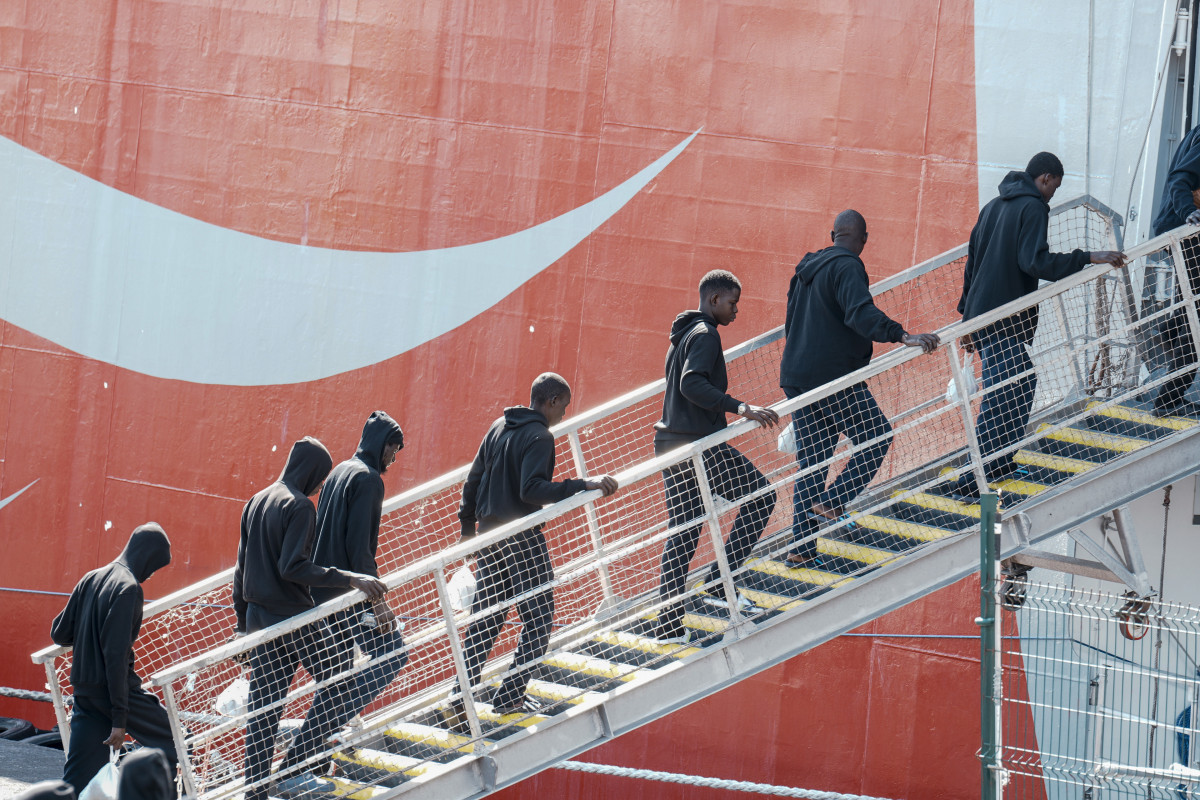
[939, 503]
[1010, 485]
[771, 602]
[697, 622]
[1103, 441]
[384, 762]
[631, 641]
[588, 665]
[557, 693]
[854, 552]
[900, 527]
[1143, 417]
[355, 791]
[781, 569]
[427, 734]
[1056, 463]
[519, 718]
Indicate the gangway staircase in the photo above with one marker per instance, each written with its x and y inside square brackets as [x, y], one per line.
[1090, 448]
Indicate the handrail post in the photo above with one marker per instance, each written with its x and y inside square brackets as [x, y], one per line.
[593, 519]
[60, 706]
[989, 640]
[180, 736]
[974, 455]
[456, 653]
[1060, 313]
[714, 531]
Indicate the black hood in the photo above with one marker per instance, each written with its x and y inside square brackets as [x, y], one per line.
[308, 464]
[517, 416]
[147, 551]
[684, 322]
[811, 265]
[380, 431]
[48, 790]
[1018, 184]
[146, 775]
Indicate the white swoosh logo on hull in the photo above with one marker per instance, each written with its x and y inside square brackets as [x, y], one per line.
[124, 281]
[15, 495]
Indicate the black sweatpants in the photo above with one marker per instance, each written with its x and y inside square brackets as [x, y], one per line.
[91, 723]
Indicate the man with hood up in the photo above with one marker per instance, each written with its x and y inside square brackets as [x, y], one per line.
[1178, 207]
[146, 775]
[829, 329]
[1006, 257]
[101, 621]
[512, 477]
[348, 515]
[695, 402]
[271, 584]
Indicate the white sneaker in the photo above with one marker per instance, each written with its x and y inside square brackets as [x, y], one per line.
[744, 605]
[682, 638]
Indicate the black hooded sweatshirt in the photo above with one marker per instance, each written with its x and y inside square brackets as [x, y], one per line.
[831, 320]
[511, 476]
[274, 569]
[1008, 254]
[47, 790]
[695, 399]
[102, 619]
[1183, 178]
[350, 506]
[146, 775]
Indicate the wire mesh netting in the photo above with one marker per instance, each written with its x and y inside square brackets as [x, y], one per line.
[746, 525]
[1098, 692]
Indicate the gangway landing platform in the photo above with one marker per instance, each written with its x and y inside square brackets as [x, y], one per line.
[1090, 447]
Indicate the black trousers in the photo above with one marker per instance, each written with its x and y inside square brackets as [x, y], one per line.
[503, 571]
[91, 723]
[1175, 339]
[273, 665]
[731, 475]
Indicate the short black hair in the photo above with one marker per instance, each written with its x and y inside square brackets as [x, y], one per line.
[1045, 164]
[719, 280]
[546, 387]
[850, 221]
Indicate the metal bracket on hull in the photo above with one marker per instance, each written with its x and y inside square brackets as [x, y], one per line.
[1125, 567]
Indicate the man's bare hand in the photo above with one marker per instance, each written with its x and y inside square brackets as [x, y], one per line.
[1193, 218]
[116, 739]
[966, 344]
[373, 588]
[928, 342]
[1114, 257]
[385, 618]
[605, 483]
[764, 416]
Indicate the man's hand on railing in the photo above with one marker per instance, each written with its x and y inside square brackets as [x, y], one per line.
[966, 344]
[605, 483]
[763, 416]
[928, 342]
[244, 656]
[1194, 217]
[373, 588]
[385, 618]
[1114, 257]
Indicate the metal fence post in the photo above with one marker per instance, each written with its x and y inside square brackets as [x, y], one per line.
[180, 736]
[964, 402]
[593, 520]
[714, 529]
[989, 668]
[456, 653]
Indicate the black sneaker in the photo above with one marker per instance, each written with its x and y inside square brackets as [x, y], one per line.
[454, 717]
[1184, 408]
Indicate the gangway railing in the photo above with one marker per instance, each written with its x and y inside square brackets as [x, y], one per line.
[1092, 354]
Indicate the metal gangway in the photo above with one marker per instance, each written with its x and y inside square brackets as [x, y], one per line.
[1090, 447]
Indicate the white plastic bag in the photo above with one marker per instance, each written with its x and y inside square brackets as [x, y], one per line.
[787, 439]
[968, 368]
[234, 699]
[462, 589]
[104, 785]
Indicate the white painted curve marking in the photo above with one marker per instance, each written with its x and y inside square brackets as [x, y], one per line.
[121, 280]
[16, 494]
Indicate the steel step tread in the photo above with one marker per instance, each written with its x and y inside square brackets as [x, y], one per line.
[1095, 439]
[1033, 458]
[933, 502]
[1142, 417]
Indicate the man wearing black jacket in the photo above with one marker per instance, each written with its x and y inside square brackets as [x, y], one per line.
[270, 585]
[695, 402]
[511, 477]
[101, 621]
[1006, 256]
[348, 514]
[1179, 208]
[829, 329]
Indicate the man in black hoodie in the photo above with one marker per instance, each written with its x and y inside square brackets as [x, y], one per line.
[829, 329]
[271, 584]
[1006, 257]
[101, 621]
[1178, 207]
[695, 402]
[348, 515]
[510, 478]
